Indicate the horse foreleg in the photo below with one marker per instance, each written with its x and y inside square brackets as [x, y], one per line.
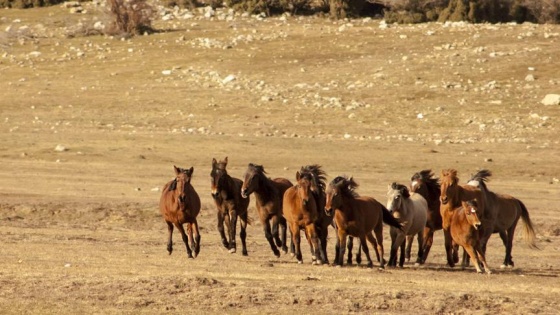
[283, 229]
[482, 259]
[169, 238]
[243, 233]
[296, 238]
[185, 239]
[314, 242]
[341, 246]
[269, 238]
[221, 229]
[448, 247]
[409, 241]
[508, 243]
[428, 241]
[402, 254]
[380, 249]
[365, 248]
[469, 249]
[322, 233]
[196, 245]
[419, 259]
[350, 246]
[232, 225]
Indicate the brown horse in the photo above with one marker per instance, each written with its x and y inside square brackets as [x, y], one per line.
[464, 224]
[356, 216]
[411, 211]
[508, 210]
[180, 204]
[425, 184]
[300, 211]
[452, 194]
[269, 195]
[317, 178]
[226, 192]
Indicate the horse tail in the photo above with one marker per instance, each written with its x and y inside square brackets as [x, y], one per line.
[530, 235]
[249, 219]
[390, 219]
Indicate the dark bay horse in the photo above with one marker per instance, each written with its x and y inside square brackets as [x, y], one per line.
[180, 204]
[300, 211]
[226, 192]
[425, 184]
[356, 216]
[464, 224]
[411, 211]
[269, 195]
[452, 194]
[507, 210]
[316, 176]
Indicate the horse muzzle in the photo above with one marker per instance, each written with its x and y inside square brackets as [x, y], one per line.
[244, 193]
[329, 211]
[476, 225]
[182, 199]
[444, 200]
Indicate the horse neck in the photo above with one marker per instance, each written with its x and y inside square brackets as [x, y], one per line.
[266, 190]
[229, 186]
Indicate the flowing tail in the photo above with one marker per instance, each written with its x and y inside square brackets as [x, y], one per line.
[390, 219]
[530, 235]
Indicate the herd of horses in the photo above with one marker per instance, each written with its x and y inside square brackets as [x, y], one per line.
[468, 214]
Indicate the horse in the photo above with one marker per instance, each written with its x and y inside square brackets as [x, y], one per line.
[425, 184]
[452, 194]
[411, 211]
[300, 211]
[269, 197]
[226, 192]
[357, 216]
[317, 178]
[508, 211]
[180, 204]
[464, 224]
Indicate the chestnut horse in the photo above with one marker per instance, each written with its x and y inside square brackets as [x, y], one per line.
[226, 192]
[180, 204]
[452, 194]
[425, 184]
[411, 211]
[463, 227]
[317, 178]
[269, 195]
[508, 210]
[356, 216]
[300, 211]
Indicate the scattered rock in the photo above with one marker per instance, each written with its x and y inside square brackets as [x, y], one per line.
[60, 148]
[551, 99]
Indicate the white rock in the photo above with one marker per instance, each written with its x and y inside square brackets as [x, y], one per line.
[551, 99]
[60, 148]
[166, 72]
[530, 78]
[228, 79]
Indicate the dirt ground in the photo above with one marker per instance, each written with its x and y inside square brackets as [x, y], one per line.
[91, 126]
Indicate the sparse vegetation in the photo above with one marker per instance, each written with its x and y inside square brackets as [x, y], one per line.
[129, 17]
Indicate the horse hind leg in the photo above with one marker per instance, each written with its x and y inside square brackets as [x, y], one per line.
[428, 241]
[243, 234]
[270, 239]
[409, 241]
[196, 239]
[185, 239]
[420, 256]
[376, 247]
[232, 224]
[366, 251]
[349, 246]
[221, 220]
[471, 251]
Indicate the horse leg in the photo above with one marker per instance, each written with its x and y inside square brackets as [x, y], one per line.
[402, 258]
[169, 239]
[482, 259]
[185, 239]
[350, 246]
[341, 246]
[221, 229]
[274, 230]
[359, 254]
[409, 241]
[232, 224]
[449, 248]
[366, 250]
[280, 237]
[243, 233]
[323, 234]
[310, 243]
[196, 240]
[294, 229]
[428, 242]
[269, 238]
[314, 241]
[374, 245]
[469, 249]
[419, 259]
[380, 249]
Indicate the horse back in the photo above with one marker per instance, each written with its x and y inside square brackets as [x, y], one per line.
[508, 210]
[282, 184]
[368, 211]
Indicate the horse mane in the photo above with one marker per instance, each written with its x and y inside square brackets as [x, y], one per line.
[402, 189]
[428, 177]
[172, 185]
[259, 169]
[450, 175]
[347, 186]
[260, 173]
[317, 172]
[482, 177]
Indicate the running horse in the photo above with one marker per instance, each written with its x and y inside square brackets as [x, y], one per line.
[410, 210]
[356, 216]
[226, 192]
[508, 210]
[300, 211]
[180, 204]
[452, 194]
[425, 184]
[464, 224]
[269, 195]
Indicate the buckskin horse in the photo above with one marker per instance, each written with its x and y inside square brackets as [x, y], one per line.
[226, 192]
[269, 195]
[180, 204]
[357, 216]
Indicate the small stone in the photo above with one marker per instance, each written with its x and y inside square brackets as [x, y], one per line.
[487, 160]
[530, 78]
[166, 72]
[551, 99]
[228, 79]
[60, 148]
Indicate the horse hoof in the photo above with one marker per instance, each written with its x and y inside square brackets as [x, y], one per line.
[245, 253]
[503, 266]
[292, 255]
[277, 253]
[489, 272]
[300, 262]
[232, 250]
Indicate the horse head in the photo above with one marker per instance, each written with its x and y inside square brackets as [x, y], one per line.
[395, 195]
[182, 179]
[304, 186]
[449, 183]
[332, 194]
[218, 176]
[470, 208]
[251, 179]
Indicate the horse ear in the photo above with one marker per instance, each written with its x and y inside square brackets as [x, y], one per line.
[177, 170]
[225, 161]
[214, 162]
[298, 175]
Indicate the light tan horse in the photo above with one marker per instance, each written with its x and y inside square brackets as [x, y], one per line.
[226, 192]
[180, 204]
[269, 195]
[452, 194]
[411, 211]
[508, 210]
[356, 216]
[464, 231]
[300, 211]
